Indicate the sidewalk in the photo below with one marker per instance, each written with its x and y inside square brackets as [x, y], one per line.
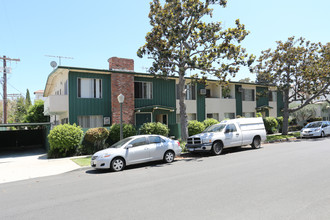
[32, 163]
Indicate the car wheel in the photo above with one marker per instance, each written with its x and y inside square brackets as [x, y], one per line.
[322, 134]
[117, 164]
[169, 156]
[217, 148]
[256, 143]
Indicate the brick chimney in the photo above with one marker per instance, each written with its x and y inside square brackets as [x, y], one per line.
[116, 63]
[122, 83]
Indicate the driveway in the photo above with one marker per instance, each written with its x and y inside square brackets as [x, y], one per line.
[31, 163]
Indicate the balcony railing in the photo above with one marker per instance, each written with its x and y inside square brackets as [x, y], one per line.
[56, 104]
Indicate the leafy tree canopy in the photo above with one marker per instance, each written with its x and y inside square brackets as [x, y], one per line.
[181, 40]
[35, 113]
[299, 68]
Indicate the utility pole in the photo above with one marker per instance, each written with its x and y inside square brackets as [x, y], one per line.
[4, 58]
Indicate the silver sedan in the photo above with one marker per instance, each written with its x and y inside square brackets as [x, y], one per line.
[136, 149]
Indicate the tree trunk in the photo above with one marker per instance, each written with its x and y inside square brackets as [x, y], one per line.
[183, 114]
[286, 113]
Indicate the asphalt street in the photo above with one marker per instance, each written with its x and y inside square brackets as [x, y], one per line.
[278, 181]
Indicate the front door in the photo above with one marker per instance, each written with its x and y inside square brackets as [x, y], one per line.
[232, 136]
[141, 118]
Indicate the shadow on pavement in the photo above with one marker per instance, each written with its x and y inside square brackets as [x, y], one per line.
[132, 167]
[22, 152]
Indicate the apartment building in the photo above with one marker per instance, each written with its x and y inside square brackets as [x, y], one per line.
[88, 97]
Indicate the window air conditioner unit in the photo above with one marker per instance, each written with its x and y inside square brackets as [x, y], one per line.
[202, 91]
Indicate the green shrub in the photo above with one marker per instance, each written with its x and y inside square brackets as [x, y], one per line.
[114, 136]
[271, 125]
[154, 128]
[94, 140]
[314, 119]
[210, 121]
[259, 115]
[64, 140]
[195, 127]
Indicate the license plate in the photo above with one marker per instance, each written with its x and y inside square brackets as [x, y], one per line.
[191, 149]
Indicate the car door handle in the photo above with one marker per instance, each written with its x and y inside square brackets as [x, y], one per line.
[237, 134]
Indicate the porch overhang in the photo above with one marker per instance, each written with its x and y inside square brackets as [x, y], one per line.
[154, 107]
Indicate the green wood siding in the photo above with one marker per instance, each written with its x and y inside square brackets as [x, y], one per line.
[239, 102]
[262, 97]
[163, 93]
[88, 106]
[200, 101]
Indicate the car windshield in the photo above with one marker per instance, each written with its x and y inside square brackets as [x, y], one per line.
[314, 125]
[121, 143]
[215, 128]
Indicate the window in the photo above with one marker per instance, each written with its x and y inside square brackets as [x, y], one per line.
[248, 114]
[272, 96]
[90, 121]
[230, 115]
[155, 139]
[64, 121]
[191, 116]
[213, 115]
[190, 92]
[208, 93]
[143, 90]
[66, 87]
[231, 128]
[89, 88]
[248, 95]
[139, 142]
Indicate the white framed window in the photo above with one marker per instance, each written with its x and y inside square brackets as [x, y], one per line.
[90, 121]
[229, 115]
[191, 116]
[89, 88]
[248, 95]
[213, 115]
[249, 114]
[190, 92]
[143, 90]
[272, 96]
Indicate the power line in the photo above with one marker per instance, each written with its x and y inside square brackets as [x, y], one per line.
[4, 58]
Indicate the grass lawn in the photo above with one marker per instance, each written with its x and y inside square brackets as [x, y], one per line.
[279, 136]
[83, 162]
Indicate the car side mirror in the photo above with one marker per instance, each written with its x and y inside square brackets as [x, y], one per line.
[129, 146]
[227, 131]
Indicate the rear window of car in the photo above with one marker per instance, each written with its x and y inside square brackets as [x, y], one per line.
[155, 139]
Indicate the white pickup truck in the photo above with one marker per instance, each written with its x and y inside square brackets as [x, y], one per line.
[229, 133]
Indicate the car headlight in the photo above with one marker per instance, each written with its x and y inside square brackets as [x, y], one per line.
[317, 129]
[106, 155]
[205, 141]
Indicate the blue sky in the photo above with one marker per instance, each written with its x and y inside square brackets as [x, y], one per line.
[93, 31]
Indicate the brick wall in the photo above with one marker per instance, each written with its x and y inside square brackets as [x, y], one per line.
[122, 83]
[116, 63]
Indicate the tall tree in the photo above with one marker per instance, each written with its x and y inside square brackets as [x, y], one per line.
[35, 113]
[27, 99]
[18, 110]
[299, 68]
[181, 40]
